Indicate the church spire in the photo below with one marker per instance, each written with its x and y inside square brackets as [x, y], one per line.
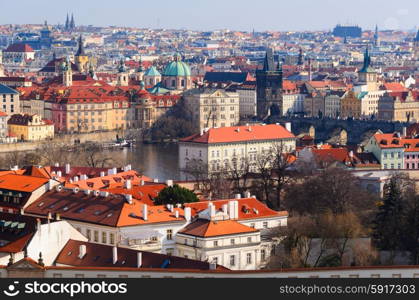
[80, 51]
[67, 23]
[72, 23]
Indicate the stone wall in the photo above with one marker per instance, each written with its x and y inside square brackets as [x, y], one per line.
[105, 136]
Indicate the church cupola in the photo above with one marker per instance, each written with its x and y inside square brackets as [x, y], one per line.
[67, 72]
[122, 79]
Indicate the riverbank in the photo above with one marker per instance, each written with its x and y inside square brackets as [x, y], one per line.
[71, 139]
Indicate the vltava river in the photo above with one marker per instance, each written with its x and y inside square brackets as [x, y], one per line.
[153, 160]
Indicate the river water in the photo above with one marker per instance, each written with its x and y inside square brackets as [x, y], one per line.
[153, 160]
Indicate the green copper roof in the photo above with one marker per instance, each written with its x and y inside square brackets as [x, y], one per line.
[158, 90]
[366, 68]
[177, 68]
[152, 71]
[362, 95]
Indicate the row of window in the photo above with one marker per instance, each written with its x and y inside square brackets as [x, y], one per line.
[392, 155]
[399, 166]
[104, 236]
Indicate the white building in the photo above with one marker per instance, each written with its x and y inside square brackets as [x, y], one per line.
[213, 108]
[332, 104]
[232, 233]
[292, 99]
[218, 148]
[247, 99]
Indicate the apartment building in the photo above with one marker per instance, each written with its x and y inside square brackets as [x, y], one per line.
[212, 108]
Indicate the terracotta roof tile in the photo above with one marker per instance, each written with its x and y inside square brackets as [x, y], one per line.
[207, 228]
[241, 134]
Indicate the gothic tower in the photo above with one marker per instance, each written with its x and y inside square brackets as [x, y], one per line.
[81, 59]
[72, 23]
[367, 75]
[269, 87]
[67, 24]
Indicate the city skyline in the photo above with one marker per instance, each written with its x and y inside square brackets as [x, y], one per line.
[212, 15]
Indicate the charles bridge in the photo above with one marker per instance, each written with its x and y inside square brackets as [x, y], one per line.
[327, 128]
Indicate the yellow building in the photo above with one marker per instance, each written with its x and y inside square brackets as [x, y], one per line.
[30, 127]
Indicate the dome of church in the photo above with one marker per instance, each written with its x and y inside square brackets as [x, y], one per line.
[177, 68]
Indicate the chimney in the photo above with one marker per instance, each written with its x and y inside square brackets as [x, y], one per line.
[59, 174]
[169, 182]
[128, 185]
[145, 212]
[49, 216]
[114, 171]
[247, 194]
[57, 217]
[212, 211]
[76, 179]
[231, 209]
[82, 251]
[128, 168]
[110, 171]
[177, 214]
[38, 223]
[22, 212]
[236, 209]
[404, 131]
[57, 165]
[288, 126]
[225, 208]
[171, 207]
[15, 168]
[114, 254]
[201, 132]
[156, 180]
[142, 182]
[238, 196]
[351, 154]
[104, 194]
[187, 211]
[212, 266]
[128, 198]
[67, 168]
[102, 174]
[139, 259]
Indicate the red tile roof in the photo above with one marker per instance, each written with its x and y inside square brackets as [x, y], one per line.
[241, 134]
[19, 48]
[255, 208]
[102, 256]
[145, 193]
[207, 228]
[394, 87]
[21, 183]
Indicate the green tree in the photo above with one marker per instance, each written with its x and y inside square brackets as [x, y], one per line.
[388, 221]
[175, 194]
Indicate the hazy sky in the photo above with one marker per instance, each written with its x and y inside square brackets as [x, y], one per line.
[218, 14]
